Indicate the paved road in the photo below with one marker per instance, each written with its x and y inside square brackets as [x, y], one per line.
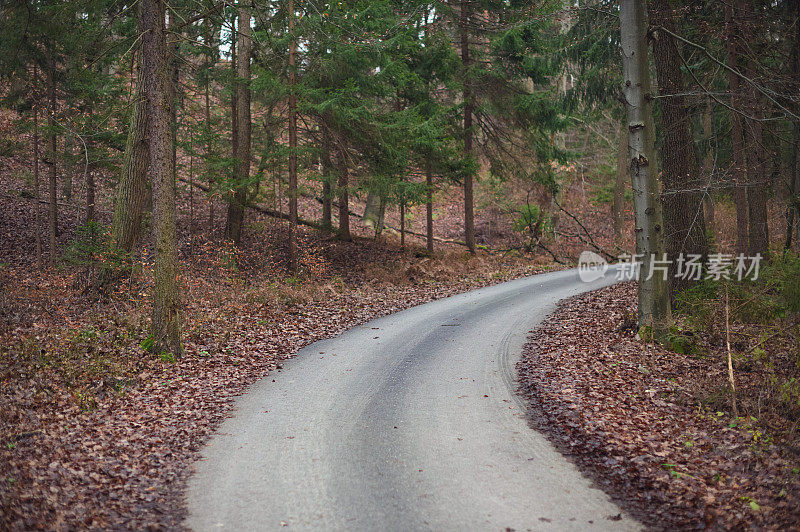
[409, 422]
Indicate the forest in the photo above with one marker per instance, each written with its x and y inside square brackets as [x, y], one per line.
[196, 194]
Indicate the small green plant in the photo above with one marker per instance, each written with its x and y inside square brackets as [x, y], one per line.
[789, 392]
[148, 343]
[672, 470]
[751, 503]
[676, 339]
[532, 221]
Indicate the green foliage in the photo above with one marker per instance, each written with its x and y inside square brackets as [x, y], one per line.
[775, 294]
[789, 394]
[680, 341]
[531, 220]
[148, 343]
[782, 275]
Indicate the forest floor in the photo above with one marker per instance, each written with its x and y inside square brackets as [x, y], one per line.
[639, 419]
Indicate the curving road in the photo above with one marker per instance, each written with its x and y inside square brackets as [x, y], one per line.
[408, 422]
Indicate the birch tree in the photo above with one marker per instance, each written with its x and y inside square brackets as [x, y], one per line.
[654, 303]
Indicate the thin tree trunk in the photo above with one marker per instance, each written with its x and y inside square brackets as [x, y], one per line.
[209, 41]
[708, 168]
[618, 205]
[429, 208]
[737, 134]
[402, 223]
[683, 208]
[654, 300]
[758, 230]
[51, 122]
[191, 198]
[794, 185]
[90, 197]
[167, 309]
[469, 214]
[758, 184]
[794, 171]
[69, 168]
[37, 226]
[327, 220]
[89, 215]
[234, 89]
[132, 189]
[233, 229]
[292, 146]
[344, 208]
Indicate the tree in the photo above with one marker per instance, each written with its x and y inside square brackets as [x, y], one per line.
[794, 169]
[132, 188]
[52, 153]
[654, 301]
[683, 208]
[167, 308]
[469, 106]
[757, 183]
[737, 141]
[236, 206]
[292, 143]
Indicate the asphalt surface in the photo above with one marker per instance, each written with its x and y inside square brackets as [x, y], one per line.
[408, 422]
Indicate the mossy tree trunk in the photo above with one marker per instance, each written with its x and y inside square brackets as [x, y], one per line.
[167, 308]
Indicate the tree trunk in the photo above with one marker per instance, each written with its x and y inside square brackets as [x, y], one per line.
[708, 168]
[37, 226]
[757, 181]
[737, 138]
[374, 211]
[344, 208]
[327, 220]
[794, 171]
[166, 324]
[618, 205]
[132, 189]
[683, 208]
[429, 208]
[654, 300]
[469, 214]
[53, 140]
[402, 223]
[209, 41]
[90, 197]
[174, 79]
[69, 168]
[758, 230]
[292, 146]
[241, 127]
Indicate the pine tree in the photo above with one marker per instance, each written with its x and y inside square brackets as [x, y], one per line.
[167, 307]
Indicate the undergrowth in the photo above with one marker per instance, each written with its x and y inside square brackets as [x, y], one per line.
[764, 335]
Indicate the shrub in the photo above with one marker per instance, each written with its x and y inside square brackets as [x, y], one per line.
[532, 221]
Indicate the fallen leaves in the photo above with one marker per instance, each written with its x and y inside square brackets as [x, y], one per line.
[626, 412]
[121, 460]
